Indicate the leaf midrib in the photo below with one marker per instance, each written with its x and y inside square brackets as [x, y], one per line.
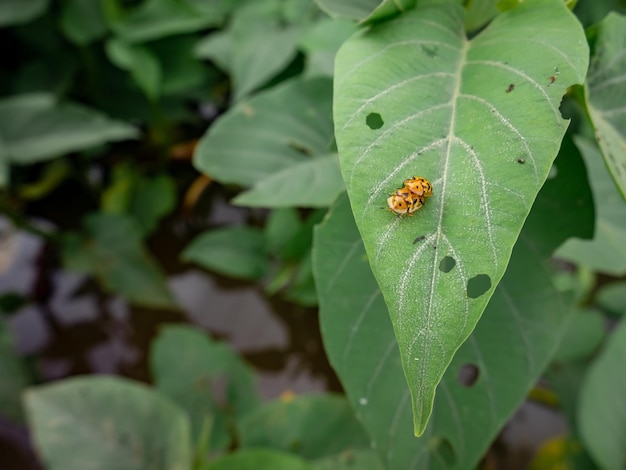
[423, 365]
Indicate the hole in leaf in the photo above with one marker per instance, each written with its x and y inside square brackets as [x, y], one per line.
[478, 285]
[442, 448]
[447, 264]
[374, 121]
[468, 374]
[553, 172]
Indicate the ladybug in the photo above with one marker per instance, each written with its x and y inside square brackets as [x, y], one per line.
[400, 201]
[419, 186]
[411, 197]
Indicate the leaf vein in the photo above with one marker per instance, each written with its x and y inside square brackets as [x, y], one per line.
[525, 76]
[388, 90]
[510, 126]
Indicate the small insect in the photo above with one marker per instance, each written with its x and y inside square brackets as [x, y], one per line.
[419, 186]
[510, 88]
[521, 160]
[556, 74]
[411, 197]
[402, 202]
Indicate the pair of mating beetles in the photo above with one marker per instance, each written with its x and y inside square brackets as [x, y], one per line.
[411, 197]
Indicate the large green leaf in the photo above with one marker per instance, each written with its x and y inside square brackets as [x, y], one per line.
[607, 251]
[112, 251]
[105, 423]
[605, 92]
[36, 127]
[295, 426]
[601, 413]
[277, 128]
[501, 360]
[195, 371]
[480, 119]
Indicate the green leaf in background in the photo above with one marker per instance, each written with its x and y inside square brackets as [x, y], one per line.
[14, 12]
[351, 460]
[607, 251]
[605, 94]
[481, 120]
[105, 423]
[146, 198]
[259, 42]
[584, 335]
[234, 251]
[259, 459]
[216, 47]
[302, 288]
[365, 10]
[36, 127]
[82, 21]
[591, 13]
[282, 225]
[478, 13]
[312, 183]
[15, 377]
[259, 50]
[564, 380]
[182, 73]
[561, 452]
[112, 251]
[612, 298]
[388, 9]
[155, 19]
[299, 245]
[493, 370]
[143, 66]
[601, 411]
[321, 42]
[312, 426]
[277, 128]
[4, 165]
[195, 371]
